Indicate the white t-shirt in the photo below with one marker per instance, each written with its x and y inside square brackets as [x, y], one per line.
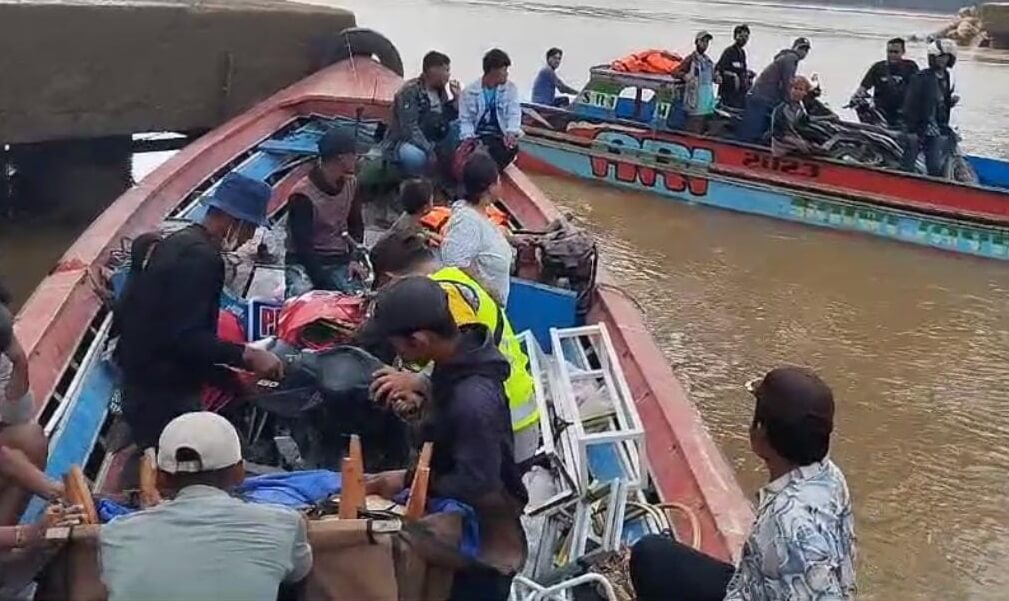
[471, 239]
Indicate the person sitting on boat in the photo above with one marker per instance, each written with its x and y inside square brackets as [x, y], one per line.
[771, 88]
[473, 243]
[732, 69]
[789, 120]
[25, 550]
[700, 76]
[927, 108]
[23, 444]
[548, 83]
[469, 425]
[168, 344]
[889, 79]
[323, 208]
[401, 255]
[204, 543]
[802, 542]
[416, 197]
[491, 112]
[424, 128]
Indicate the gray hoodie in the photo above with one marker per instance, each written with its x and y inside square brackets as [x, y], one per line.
[774, 81]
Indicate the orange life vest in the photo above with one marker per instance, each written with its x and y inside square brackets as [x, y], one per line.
[658, 62]
[437, 218]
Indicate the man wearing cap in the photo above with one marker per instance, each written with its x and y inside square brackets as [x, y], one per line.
[400, 255]
[802, 543]
[733, 70]
[769, 90]
[204, 543]
[468, 422]
[322, 208]
[168, 345]
[698, 72]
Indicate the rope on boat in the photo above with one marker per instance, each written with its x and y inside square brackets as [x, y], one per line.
[695, 522]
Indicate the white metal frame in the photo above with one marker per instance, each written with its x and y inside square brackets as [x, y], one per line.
[524, 589]
[624, 429]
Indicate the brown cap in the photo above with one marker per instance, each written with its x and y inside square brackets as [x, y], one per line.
[799, 407]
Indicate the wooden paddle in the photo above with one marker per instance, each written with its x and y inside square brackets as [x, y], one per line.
[78, 493]
[352, 472]
[417, 502]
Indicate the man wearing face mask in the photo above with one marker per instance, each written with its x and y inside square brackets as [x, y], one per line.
[168, 347]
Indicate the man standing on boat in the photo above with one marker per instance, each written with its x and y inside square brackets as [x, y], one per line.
[802, 543]
[700, 76]
[548, 83]
[927, 108]
[731, 67]
[769, 90]
[889, 79]
[168, 346]
[323, 209]
[469, 425]
[491, 111]
[204, 543]
[424, 127]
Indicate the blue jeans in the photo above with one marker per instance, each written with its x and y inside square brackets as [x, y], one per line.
[756, 120]
[413, 160]
[936, 149]
[338, 278]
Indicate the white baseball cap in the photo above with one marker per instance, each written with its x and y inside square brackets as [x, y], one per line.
[208, 435]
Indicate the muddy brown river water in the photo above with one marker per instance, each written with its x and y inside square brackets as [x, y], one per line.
[914, 342]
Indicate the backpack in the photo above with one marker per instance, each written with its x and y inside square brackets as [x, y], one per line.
[569, 257]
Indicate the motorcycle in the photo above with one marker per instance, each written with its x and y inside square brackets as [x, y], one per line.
[957, 168]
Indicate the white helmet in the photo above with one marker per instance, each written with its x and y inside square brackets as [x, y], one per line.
[942, 46]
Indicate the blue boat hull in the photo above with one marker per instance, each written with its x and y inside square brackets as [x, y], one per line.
[972, 238]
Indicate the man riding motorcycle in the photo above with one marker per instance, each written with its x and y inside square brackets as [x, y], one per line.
[927, 109]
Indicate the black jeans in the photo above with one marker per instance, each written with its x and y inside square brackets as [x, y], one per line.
[496, 148]
[664, 569]
[481, 584]
[148, 409]
[936, 149]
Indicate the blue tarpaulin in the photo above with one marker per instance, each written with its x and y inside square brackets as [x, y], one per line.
[299, 490]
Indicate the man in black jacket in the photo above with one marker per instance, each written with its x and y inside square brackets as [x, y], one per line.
[424, 129]
[926, 110]
[468, 420]
[733, 71]
[168, 346]
[889, 79]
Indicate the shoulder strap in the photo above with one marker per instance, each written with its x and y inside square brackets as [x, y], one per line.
[498, 332]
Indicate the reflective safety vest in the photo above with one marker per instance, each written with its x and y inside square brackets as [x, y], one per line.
[481, 308]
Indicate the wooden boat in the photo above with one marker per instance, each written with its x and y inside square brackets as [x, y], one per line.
[64, 325]
[616, 132]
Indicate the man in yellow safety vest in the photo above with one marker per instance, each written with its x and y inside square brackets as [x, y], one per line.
[402, 254]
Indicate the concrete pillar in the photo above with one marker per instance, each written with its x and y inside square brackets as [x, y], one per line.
[69, 180]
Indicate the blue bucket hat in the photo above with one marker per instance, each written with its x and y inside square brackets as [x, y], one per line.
[243, 198]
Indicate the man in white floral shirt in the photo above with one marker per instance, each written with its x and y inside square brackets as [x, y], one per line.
[802, 544]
